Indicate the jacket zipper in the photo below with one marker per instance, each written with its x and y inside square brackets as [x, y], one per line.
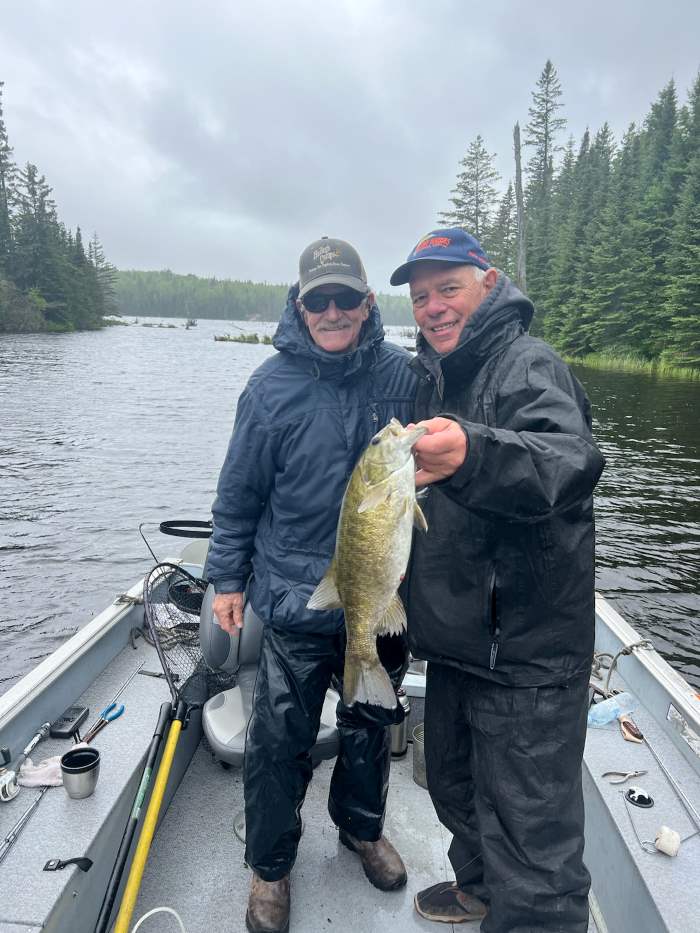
[494, 625]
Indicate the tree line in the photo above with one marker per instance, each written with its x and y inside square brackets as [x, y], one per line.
[166, 294]
[49, 279]
[605, 237]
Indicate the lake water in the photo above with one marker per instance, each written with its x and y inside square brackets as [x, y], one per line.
[102, 431]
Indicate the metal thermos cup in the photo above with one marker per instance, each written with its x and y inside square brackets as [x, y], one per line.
[80, 768]
[399, 732]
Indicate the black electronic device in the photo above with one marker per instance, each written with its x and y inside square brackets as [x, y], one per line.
[69, 722]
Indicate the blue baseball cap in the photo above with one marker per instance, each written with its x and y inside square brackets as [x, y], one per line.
[449, 245]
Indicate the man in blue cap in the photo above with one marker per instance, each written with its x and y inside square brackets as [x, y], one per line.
[501, 593]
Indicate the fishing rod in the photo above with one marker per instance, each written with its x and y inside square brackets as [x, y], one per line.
[11, 837]
[9, 788]
[187, 662]
[127, 838]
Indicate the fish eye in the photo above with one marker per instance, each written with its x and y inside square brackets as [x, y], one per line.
[375, 440]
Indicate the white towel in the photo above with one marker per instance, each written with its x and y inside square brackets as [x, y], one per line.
[46, 774]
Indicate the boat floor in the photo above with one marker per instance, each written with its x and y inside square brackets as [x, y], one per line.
[197, 866]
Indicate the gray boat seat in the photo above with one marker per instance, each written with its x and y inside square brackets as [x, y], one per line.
[225, 716]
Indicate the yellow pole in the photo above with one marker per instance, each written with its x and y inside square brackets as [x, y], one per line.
[138, 865]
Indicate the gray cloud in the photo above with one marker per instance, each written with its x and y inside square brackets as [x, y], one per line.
[219, 139]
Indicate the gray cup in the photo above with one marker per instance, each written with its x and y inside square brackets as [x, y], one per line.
[80, 768]
[419, 755]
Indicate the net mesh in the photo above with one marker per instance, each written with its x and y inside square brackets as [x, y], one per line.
[172, 599]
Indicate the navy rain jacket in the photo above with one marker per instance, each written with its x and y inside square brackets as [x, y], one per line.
[302, 422]
[502, 585]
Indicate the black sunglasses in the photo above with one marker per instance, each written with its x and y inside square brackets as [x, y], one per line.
[345, 300]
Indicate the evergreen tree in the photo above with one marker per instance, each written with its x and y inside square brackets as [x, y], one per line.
[657, 136]
[541, 135]
[76, 248]
[553, 303]
[7, 170]
[106, 276]
[682, 304]
[616, 296]
[503, 237]
[561, 292]
[46, 280]
[474, 196]
[592, 245]
[652, 221]
[35, 215]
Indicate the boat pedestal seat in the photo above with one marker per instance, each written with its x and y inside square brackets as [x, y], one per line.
[225, 716]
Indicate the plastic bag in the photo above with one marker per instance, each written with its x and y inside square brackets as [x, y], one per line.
[608, 710]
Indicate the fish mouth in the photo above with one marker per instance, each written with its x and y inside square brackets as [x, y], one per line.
[411, 435]
[406, 437]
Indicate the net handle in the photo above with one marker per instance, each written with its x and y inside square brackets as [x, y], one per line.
[184, 528]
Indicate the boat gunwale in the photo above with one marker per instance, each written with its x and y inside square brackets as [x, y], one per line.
[680, 693]
[66, 658]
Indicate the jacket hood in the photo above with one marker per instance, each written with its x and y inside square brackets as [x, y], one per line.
[293, 337]
[502, 316]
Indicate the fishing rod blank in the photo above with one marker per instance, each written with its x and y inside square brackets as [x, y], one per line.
[164, 716]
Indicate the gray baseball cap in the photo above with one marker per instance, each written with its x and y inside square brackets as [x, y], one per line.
[331, 262]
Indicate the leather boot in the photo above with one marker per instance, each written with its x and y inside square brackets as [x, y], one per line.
[381, 862]
[268, 906]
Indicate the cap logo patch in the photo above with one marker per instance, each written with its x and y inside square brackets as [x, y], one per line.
[326, 255]
[443, 241]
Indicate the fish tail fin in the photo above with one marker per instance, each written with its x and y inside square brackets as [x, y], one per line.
[367, 682]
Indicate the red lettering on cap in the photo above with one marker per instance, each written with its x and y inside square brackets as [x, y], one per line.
[433, 241]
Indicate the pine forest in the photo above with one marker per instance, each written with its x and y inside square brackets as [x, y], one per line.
[604, 236]
[49, 279]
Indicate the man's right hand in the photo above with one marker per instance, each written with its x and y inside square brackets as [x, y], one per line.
[228, 609]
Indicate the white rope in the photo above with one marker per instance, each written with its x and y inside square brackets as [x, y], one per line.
[158, 910]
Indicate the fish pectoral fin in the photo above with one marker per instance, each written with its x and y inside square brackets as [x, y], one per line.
[393, 622]
[326, 595]
[419, 519]
[374, 496]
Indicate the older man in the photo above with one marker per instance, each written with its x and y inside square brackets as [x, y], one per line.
[500, 594]
[303, 420]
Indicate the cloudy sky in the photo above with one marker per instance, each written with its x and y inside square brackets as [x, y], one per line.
[220, 138]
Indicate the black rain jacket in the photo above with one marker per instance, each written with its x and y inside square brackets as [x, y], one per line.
[302, 422]
[502, 584]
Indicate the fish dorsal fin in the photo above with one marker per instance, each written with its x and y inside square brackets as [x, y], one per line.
[326, 595]
[418, 518]
[374, 496]
[393, 621]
